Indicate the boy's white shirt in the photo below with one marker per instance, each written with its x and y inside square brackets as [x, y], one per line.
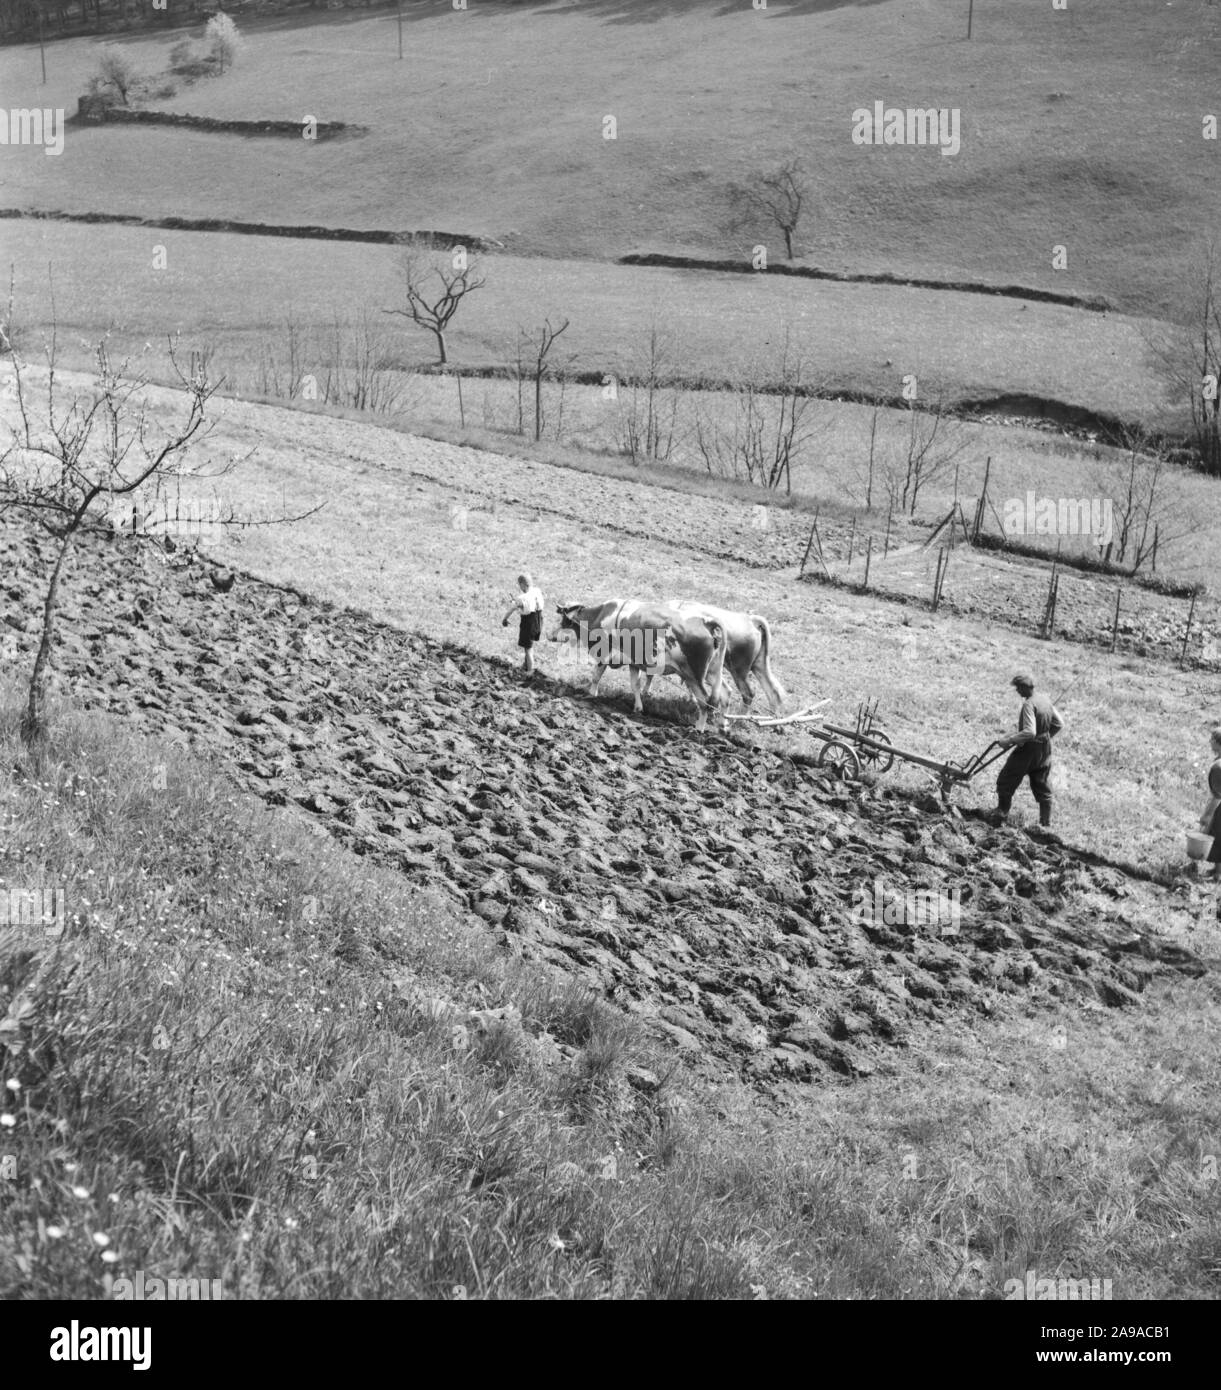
[531, 601]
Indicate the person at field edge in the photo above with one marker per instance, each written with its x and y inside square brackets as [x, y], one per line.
[529, 603]
[1210, 821]
[1038, 724]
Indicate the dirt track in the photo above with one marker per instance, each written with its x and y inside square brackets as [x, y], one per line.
[708, 883]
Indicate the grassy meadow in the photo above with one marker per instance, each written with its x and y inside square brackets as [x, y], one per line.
[1080, 128]
[235, 294]
[254, 1058]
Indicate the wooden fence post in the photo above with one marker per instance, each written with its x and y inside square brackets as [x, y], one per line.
[852, 542]
[1115, 623]
[461, 407]
[886, 551]
[868, 558]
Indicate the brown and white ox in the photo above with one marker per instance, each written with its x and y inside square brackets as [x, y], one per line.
[748, 641]
[650, 639]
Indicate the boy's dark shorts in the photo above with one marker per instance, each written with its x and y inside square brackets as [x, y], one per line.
[530, 629]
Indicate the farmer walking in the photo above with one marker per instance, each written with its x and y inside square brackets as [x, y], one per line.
[1210, 821]
[529, 603]
[1038, 724]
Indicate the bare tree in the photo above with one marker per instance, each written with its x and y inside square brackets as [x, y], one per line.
[1149, 502]
[1188, 356]
[770, 427]
[432, 305]
[540, 350]
[67, 463]
[780, 196]
[648, 416]
[933, 444]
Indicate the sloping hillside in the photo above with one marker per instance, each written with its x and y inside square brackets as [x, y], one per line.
[1080, 127]
[713, 886]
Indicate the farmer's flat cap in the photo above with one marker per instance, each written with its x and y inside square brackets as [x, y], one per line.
[1022, 679]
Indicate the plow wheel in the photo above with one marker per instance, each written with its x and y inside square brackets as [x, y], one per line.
[840, 759]
[876, 759]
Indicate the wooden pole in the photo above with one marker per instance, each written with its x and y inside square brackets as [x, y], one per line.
[852, 543]
[868, 558]
[1191, 612]
[945, 569]
[983, 501]
[461, 407]
[42, 52]
[822, 559]
[1115, 621]
[399, 8]
[937, 580]
[1047, 627]
[809, 543]
[970, 16]
[886, 551]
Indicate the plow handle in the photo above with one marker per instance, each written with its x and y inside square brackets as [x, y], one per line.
[982, 760]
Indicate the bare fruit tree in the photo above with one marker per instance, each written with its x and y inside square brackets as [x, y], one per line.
[780, 196]
[72, 454]
[434, 288]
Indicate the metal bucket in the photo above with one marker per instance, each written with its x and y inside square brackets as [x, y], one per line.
[1198, 844]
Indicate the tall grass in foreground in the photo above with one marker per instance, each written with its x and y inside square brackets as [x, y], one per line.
[253, 1058]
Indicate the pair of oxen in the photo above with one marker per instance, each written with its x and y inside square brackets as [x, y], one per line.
[691, 640]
